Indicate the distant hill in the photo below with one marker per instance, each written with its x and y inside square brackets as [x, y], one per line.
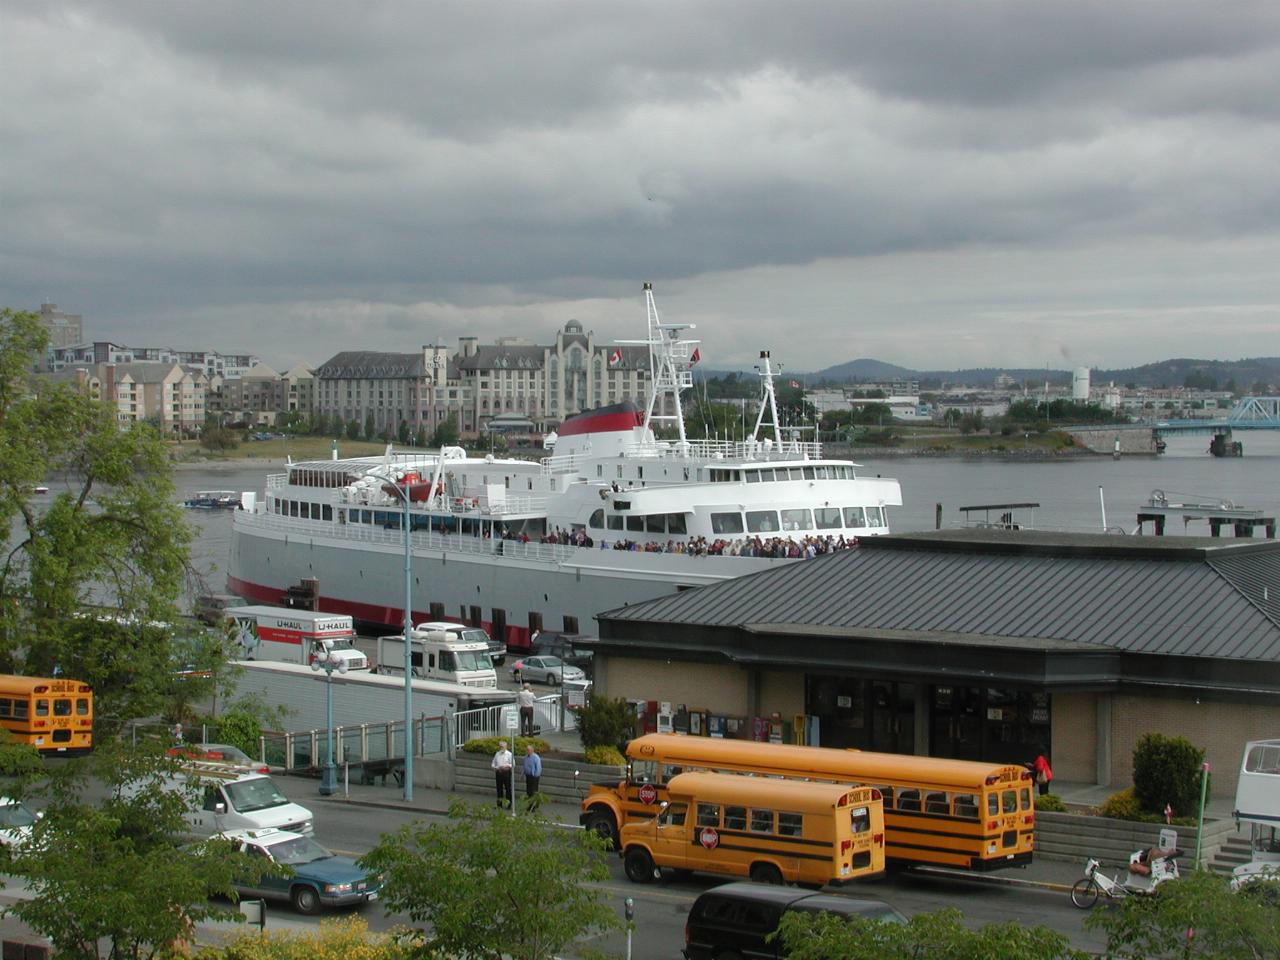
[1254, 375]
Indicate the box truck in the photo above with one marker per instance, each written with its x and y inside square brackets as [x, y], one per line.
[295, 636]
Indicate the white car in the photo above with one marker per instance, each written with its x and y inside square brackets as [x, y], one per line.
[550, 670]
[16, 821]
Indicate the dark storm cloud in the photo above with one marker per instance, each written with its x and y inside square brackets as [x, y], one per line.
[400, 172]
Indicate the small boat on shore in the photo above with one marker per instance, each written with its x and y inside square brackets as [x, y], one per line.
[40, 489]
[213, 500]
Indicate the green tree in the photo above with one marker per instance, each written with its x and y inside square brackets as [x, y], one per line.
[370, 427]
[1197, 916]
[214, 436]
[117, 869]
[353, 429]
[114, 535]
[446, 434]
[491, 885]
[939, 936]
[1166, 770]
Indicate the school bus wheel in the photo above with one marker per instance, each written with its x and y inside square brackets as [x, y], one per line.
[600, 822]
[766, 873]
[638, 865]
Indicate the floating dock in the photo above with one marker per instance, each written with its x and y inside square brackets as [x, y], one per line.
[1242, 520]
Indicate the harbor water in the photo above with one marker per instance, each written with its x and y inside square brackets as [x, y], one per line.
[1066, 489]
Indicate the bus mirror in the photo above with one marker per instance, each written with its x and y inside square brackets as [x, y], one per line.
[663, 804]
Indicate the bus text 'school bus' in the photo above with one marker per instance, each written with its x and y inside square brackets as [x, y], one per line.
[956, 813]
[54, 714]
[768, 829]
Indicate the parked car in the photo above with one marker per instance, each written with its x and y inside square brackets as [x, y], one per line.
[549, 670]
[564, 646]
[319, 879]
[16, 821]
[736, 919]
[219, 753]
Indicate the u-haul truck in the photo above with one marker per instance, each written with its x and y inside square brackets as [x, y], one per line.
[295, 636]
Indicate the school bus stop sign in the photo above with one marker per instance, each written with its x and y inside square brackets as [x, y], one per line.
[648, 794]
[709, 838]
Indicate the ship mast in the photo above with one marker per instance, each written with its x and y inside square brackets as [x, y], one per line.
[768, 402]
[669, 367]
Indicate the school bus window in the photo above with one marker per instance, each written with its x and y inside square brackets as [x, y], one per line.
[6, 707]
[20, 709]
[735, 818]
[1026, 798]
[1010, 801]
[708, 814]
[82, 707]
[62, 708]
[860, 819]
[761, 821]
[887, 794]
[674, 815]
[790, 824]
[643, 771]
[909, 800]
[42, 708]
[967, 806]
[669, 771]
[936, 803]
[993, 804]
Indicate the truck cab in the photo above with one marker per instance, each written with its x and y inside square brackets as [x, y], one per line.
[436, 655]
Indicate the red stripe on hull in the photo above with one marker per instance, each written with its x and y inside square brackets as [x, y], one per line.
[517, 638]
[602, 423]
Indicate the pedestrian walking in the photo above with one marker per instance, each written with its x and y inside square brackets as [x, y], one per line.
[503, 764]
[1044, 772]
[532, 774]
[526, 699]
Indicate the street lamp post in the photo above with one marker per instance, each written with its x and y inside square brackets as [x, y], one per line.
[329, 662]
[403, 494]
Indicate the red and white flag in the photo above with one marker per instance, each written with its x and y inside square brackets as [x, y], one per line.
[615, 358]
[697, 355]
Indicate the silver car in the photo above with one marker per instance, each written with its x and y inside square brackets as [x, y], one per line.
[550, 670]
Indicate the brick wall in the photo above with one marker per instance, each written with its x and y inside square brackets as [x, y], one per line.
[1221, 729]
[702, 686]
[781, 693]
[1073, 752]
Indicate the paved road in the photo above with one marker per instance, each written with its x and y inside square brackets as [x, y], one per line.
[661, 908]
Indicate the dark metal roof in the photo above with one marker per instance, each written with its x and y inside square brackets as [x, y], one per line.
[504, 357]
[370, 365]
[1171, 596]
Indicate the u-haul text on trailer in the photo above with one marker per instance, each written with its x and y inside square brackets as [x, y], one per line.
[295, 636]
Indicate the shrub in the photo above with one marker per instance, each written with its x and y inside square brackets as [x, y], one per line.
[605, 721]
[240, 729]
[489, 745]
[609, 756]
[1050, 803]
[1122, 806]
[1166, 770]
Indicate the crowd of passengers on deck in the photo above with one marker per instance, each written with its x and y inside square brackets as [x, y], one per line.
[804, 547]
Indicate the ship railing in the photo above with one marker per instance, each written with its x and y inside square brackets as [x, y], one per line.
[551, 714]
[750, 450]
[363, 745]
[419, 539]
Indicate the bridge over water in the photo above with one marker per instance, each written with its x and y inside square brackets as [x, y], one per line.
[1249, 413]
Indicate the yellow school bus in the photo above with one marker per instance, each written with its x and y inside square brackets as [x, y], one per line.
[771, 830]
[956, 813]
[52, 714]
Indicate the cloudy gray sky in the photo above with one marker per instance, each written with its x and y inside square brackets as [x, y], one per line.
[936, 184]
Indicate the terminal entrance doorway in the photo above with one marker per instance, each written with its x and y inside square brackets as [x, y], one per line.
[867, 714]
[994, 724]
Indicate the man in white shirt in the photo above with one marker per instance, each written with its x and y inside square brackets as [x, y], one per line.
[526, 699]
[503, 763]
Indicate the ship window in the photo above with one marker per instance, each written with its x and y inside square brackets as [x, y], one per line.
[615, 521]
[796, 520]
[675, 523]
[639, 473]
[655, 523]
[619, 471]
[766, 476]
[793, 473]
[808, 473]
[293, 508]
[762, 521]
[828, 518]
[326, 512]
[726, 523]
[875, 517]
[854, 517]
[599, 469]
[821, 473]
[635, 524]
[597, 519]
[752, 476]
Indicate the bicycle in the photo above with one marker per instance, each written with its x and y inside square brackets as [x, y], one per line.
[1161, 865]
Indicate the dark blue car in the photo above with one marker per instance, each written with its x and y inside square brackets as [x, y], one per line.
[319, 879]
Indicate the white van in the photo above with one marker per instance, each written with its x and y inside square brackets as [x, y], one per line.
[436, 655]
[238, 800]
[462, 633]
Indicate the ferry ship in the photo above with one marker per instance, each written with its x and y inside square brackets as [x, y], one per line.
[614, 514]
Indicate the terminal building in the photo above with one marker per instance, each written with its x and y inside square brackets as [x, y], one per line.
[979, 644]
